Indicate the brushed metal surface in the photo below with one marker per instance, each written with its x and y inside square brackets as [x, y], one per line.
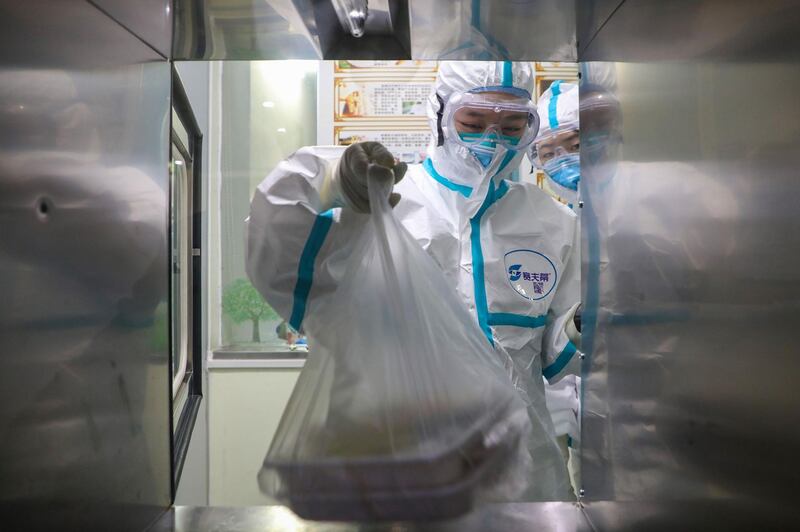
[385, 36]
[522, 517]
[542, 517]
[590, 15]
[542, 30]
[247, 30]
[525, 517]
[687, 515]
[446, 29]
[84, 432]
[691, 260]
[67, 34]
[150, 20]
[690, 30]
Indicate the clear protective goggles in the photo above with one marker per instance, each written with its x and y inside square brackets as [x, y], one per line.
[472, 119]
[554, 143]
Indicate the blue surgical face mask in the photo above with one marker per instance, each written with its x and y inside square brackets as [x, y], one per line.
[484, 151]
[565, 170]
[484, 155]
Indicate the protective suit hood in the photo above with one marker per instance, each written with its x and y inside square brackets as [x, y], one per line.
[559, 113]
[453, 160]
[558, 107]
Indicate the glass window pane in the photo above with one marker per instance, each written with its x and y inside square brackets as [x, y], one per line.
[268, 111]
[180, 130]
[180, 225]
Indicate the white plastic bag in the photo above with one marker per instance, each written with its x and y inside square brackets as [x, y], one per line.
[403, 411]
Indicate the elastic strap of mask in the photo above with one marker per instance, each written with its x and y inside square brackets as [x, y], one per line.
[439, 114]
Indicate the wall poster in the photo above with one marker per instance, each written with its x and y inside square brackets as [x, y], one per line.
[383, 101]
[386, 101]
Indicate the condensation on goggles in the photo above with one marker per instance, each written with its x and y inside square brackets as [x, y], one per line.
[471, 119]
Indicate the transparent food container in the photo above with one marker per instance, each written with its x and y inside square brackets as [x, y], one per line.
[396, 486]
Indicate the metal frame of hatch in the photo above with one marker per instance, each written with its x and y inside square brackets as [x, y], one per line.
[181, 436]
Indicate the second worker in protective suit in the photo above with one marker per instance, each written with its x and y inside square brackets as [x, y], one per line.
[509, 249]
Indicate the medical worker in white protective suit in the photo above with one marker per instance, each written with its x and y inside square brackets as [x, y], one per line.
[557, 148]
[556, 151]
[508, 248]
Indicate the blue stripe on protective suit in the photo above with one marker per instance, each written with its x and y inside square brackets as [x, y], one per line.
[478, 281]
[591, 305]
[552, 109]
[485, 318]
[305, 269]
[510, 154]
[464, 190]
[476, 14]
[508, 76]
[561, 361]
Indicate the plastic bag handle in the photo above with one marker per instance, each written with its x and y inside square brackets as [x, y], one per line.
[380, 181]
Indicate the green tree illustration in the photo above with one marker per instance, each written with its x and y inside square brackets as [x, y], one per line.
[242, 302]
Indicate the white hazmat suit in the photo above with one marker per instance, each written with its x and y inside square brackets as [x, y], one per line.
[508, 249]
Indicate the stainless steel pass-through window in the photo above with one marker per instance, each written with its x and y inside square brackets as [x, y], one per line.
[184, 275]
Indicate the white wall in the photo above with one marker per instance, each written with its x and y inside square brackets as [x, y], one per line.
[241, 407]
[325, 104]
[247, 407]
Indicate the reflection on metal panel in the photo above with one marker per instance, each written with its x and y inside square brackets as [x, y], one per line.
[310, 29]
[590, 17]
[543, 517]
[542, 30]
[53, 34]
[84, 430]
[288, 29]
[691, 258]
[384, 33]
[517, 517]
[520, 517]
[151, 20]
[714, 30]
[687, 516]
[246, 29]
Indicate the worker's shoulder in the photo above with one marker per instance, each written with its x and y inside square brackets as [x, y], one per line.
[327, 153]
[310, 160]
[309, 164]
[540, 200]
